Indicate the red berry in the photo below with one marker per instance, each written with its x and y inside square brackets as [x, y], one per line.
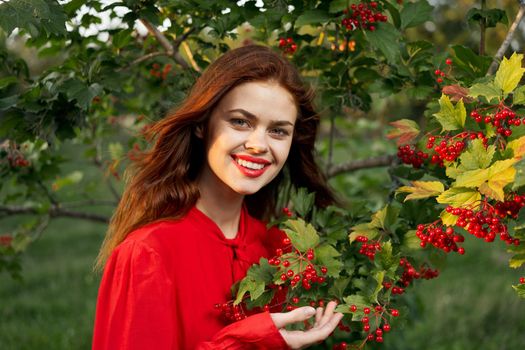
[448, 61]
[394, 312]
[522, 280]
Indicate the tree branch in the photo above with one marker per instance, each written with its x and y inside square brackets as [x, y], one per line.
[361, 164]
[505, 45]
[54, 212]
[171, 50]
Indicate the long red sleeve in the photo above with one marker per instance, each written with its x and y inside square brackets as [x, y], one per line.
[161, 284]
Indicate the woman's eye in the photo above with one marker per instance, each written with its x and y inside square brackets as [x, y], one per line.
[280, 132]
[239, 122]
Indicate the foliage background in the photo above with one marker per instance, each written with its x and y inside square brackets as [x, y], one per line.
[470, 306]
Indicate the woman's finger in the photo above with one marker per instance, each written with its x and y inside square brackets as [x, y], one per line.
[318, 316]
[328, 312]
[299, 340]
[282, 319]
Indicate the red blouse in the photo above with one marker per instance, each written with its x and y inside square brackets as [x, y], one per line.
[161, 284]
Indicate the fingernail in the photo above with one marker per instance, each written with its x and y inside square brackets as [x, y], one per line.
[309, 311]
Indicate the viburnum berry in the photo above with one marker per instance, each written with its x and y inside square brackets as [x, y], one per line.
[364, 15]
[522, 280]
[502, 120]
[353, 308]
[448, 61]
[394, 312]
[287, 45]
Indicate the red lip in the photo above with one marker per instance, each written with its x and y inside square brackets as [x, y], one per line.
[251, 159]
[251, 172]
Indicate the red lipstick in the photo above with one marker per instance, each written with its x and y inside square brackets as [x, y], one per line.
[253, 173]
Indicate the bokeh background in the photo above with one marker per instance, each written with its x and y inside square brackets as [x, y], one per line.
[470, 306]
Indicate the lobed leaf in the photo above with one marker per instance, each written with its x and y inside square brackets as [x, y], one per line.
[459, 196]
[422, 189]
[303, 236]
[405, 131]
[509, 73]
[450, 117]
[488, 90]
[476, 156]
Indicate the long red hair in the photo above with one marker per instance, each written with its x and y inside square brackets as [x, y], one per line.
[161, 183]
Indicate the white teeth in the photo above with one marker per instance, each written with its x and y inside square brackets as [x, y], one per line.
[249, 165]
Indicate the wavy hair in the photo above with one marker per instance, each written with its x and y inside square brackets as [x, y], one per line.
[161, 182]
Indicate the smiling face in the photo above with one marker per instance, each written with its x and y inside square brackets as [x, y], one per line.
[249, 137]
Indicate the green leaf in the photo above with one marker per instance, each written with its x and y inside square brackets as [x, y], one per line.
[411, 241]
[340, 5]
[116, 150]
[303, 202]
[80, 92]
[8, 102]
[405, 131]
[6, 81]
[385, 217]
[73, 178]
[385, 39]
[415, 13]
[459, 196]
[301, 235]
[517, 260]
[337, 289]
[509, 73]
[518, 96]
[488, 90]
[249, 285]
[312, 17]
[35, 16]
[491, 17]
[367, 230]
[354, 299]
[450, 117]
[422, 189]
[476, 157]
[385, 260]
[326, 256]
[520, 289]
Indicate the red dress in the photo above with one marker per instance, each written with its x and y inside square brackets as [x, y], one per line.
[161, 284]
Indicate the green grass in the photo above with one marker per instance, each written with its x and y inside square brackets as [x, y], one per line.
[53, 307]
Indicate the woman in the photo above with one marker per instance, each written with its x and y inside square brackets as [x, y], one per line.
[191, 220]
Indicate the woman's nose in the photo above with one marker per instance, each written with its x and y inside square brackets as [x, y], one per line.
[256, 142]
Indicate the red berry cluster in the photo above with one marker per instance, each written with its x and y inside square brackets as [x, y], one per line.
[376, 312]
[230, 312]
[156, 72]
[449, 148]
[440, 237]
[287, 45]
[441, 148]
[502, 120]
[18, 161]
[307, 275]
[410, 155]
[410, 273]
[522, 280]
[5, 240]
[365, 15]
[368, 249]
[486, 221]
[440, 74]
[287, 212]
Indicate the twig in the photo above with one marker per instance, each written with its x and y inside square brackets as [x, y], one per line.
[170, 49]
[147, 57]
[361, 164]
[53, 213]
[505, 45]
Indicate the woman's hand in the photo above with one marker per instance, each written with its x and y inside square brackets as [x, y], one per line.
[325, 322]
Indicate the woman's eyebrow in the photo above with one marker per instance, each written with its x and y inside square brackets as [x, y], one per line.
[252, 117]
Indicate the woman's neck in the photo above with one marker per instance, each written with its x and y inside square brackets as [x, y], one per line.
[221, 205]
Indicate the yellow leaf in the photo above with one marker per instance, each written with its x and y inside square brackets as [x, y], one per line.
[448, 219]
[517, 146]
[501, 174]
[509, 73]
[450, 117]
[472, 178]
[459, 196]
[422, 189]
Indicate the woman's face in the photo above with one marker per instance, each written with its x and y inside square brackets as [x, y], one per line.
[249, 137]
